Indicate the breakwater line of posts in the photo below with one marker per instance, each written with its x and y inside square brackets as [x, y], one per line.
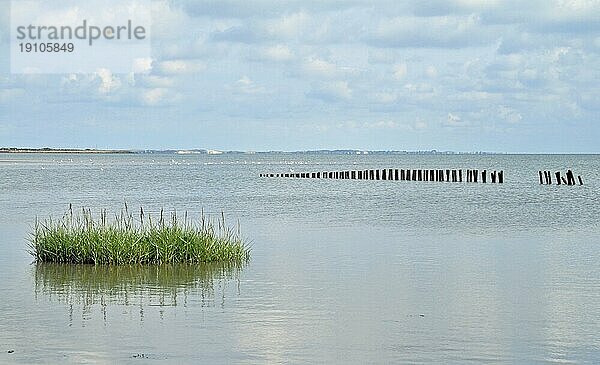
[435, 175]
[549, 178]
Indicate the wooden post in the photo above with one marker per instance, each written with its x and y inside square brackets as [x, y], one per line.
[484, 176]
[460, 175]
[475, 175]
[402, 175]
[414, 175]
[570, 178]
[377, 174]
[396, 175]
[454, 176]
[580, 180]
[541, 178]
[500, 177]
[557, 177]
[384, 174]
[419, 175]
[548, 177]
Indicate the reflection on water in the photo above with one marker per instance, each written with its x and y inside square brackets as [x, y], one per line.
[162, 286]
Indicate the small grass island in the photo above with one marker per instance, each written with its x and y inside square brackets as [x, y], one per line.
[128, 239]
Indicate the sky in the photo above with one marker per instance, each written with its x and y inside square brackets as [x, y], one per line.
[256, 75]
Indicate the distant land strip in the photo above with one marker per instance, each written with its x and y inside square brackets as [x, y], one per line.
[60, 150]
[219, 152]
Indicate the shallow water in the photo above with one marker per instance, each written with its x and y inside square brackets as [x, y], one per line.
[341, 271]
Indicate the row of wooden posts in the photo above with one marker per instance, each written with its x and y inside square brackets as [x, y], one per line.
[568, 179]
[401, 175]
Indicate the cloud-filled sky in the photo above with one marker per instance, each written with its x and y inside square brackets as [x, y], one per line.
[463, 75]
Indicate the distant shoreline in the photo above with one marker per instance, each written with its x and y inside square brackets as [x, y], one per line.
[14, 150]
[62, 150]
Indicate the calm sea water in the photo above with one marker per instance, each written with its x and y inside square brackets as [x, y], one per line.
[341, 271]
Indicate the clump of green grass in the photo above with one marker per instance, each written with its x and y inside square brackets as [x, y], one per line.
[79, 238]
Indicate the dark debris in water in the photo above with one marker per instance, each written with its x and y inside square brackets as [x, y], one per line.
[149, 356]
[11, 351]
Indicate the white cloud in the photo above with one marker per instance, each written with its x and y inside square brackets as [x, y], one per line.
[142, 65]
[246, 86]
[108, 82]
[509, 114]
[159, 96]
[455, 121]
[8, 95]
[437, 31]
[289, 26]
[399, 71]
[181, 67]
[319, 67]
[385, 97]
[431, 72]
[154, 81]
[278, 53]
[331, 91]
[153, 96]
